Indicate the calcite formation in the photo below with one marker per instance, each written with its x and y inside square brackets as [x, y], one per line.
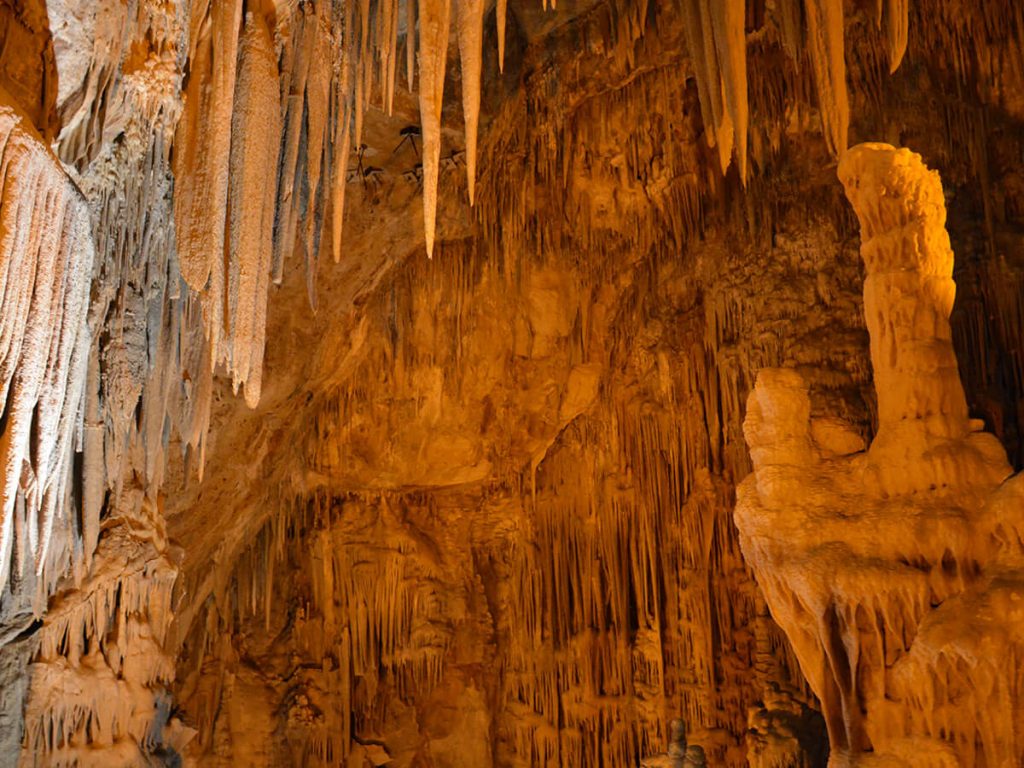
[46, 258]
[373, 379]
[894, 569]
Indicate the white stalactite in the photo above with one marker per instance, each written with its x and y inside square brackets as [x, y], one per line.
[203, 144]
[46, 259]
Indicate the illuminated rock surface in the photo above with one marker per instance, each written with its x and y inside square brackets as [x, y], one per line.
[895, 571]
[376, 379]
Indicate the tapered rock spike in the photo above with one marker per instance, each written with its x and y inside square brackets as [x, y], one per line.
[896, 14]
[435, 23]
[728, 19]
[256, 136]
[204, 142]
[826, 49]
[501, 16]
[471, 30]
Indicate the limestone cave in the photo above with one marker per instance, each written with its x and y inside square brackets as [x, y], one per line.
[511, 383]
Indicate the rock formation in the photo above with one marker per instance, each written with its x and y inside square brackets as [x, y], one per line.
[895, 569]
[373, 380]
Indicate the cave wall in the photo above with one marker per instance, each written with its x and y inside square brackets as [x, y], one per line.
[474, 509]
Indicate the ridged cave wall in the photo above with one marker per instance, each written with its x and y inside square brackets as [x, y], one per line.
[378, 378]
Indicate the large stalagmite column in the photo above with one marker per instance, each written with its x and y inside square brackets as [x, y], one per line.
[884, 566]
[909, 290]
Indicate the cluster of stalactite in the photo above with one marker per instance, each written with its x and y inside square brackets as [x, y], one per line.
[99, 690]
[46, 257]
[97, 663]
[738, 337]
[611, 575]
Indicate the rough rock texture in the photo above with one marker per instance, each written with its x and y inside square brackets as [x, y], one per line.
[478, 509]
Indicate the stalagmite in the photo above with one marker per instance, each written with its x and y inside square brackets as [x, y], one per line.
[901, 531]
[434, 22]
[471, 33]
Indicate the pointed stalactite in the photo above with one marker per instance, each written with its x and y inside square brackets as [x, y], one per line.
[828, 62]
[390, 24]
[342, 134]
[202, 144]
[256, 136]
[791, 28]
[317, 98]
[896, 25]
[296, 69]
[471, 33]
[700, 39]
[728, 18]
[93, 478]
[435, 24]
[363, 69]
[410, 43]
[501, 16]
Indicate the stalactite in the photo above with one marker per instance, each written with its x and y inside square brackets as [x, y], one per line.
[434, 23]
[410, 43]
[827, 54]
[791, 27]
[254, 149]
[295, 72]
[896, 15]
[470, 32]
[99, 676]
[46, 257]
[343, 134]
[501, 16]
[701, 45]
[363, 70]
[727, 22]
[618, 612]
[390, 67]
[203, 143]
